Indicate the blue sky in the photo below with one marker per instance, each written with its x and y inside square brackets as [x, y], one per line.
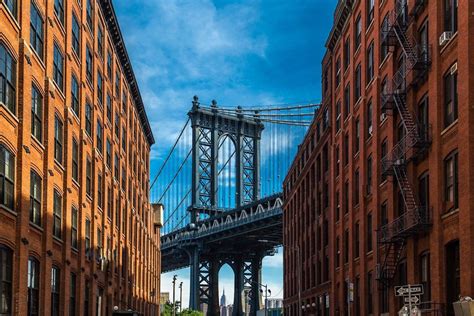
[249, 52]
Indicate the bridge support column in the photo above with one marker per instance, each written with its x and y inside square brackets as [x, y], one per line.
[213, 307]
[194, 280]
[239, 288]
[255, 297]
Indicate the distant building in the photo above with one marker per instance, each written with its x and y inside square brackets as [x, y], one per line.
[164, 297]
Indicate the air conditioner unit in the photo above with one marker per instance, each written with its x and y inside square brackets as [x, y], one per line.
[445, 37]
[158, 214]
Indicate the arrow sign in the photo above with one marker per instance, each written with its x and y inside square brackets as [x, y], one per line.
[411, 299]
[407, 290]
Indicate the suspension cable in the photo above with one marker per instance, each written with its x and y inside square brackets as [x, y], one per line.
[169, 154]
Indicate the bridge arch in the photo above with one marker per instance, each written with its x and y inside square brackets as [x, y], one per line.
[226, 189]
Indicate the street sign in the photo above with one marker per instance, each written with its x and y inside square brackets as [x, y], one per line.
[415, 299]
[407, 290]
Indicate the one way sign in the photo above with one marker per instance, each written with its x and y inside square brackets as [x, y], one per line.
[408, 290]
[411, 299]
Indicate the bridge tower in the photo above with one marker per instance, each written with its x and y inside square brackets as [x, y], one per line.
[209, 126]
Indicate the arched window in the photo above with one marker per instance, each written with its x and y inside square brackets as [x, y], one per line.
[7, 79]
[33, 286]
[7, 178]
[6, 259]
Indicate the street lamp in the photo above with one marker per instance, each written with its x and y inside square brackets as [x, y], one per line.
[174, 301]
[180, 297]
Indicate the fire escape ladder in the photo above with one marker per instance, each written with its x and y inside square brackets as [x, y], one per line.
[393, 254]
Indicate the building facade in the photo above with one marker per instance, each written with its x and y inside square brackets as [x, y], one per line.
[396, 80]
[78, 234]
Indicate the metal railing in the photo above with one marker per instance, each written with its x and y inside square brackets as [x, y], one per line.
[417, 218]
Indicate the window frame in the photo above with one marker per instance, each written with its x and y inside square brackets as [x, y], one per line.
[36, 30]
[7, 178]
[57, 214]
[36, 113]
[35, 198]
[58, 67]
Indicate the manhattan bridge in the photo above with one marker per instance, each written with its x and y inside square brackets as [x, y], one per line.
[220, 186]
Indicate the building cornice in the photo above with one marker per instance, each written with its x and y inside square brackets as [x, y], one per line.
[341, 14]
[114, 30]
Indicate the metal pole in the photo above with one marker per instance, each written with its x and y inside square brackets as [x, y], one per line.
[174, 301]
[266, 299]
[409, 300]
[180, 297]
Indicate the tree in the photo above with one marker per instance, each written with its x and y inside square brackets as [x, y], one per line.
[189, 312]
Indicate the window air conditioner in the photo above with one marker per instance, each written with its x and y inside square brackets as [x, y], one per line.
[445, 37]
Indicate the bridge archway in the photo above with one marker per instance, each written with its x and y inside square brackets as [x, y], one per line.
[226, 189]
[226, 287]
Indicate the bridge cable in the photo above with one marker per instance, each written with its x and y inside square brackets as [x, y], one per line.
[169, 154]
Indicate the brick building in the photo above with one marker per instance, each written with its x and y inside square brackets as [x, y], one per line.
[396, 82]
[78, 236]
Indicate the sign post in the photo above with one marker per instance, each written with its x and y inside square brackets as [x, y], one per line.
[411, 294]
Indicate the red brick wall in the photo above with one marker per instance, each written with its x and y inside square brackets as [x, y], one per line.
[134, 289]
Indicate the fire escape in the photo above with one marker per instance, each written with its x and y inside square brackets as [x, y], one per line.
[413, 67]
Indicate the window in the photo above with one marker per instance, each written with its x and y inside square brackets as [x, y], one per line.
[451, 15]
[368, 133]
[124, 139]
[100, 88]
[346, 197]
[358, 31]
[357, 136]
[35, 198]
[338, 71]
[358, 83]
[58, 67]
[99, 244]
[370, 11]
[369, 232]
[57, 216]
[370, 63]
[124, 102]
[75, 160]
[337, 160]
[12, 6]
[346, 246]
[338, 252]
[72, 294]
[423, 115]
[117, 212]
[369, 293]
[6, 272]
[88, 119]
[450, 97]
[33, 286]
[425, 278]
[76, 35]
[89, 14]
[424, 42]
[55, 289]
[424, 191]
[109, 108]
[36, 113]
[100, 192]
[109, 65]
[88, 177]
[369, 175]
[100, 41]
[59, 10]
[356, 187]
[123, 178]
[58, 139]
[87, 290]
[89, 66]
[347, 101]
[88, 239]
[74, 227]
[346, 149]
[384, 152]
[75, 95]
[347, 53]
[7, 178]
[109, 153]
[36, 30]
[451, 181]
[356, 240]
[7, 79]
[384, 39]
[116, 167]
[117, 84]
[109, 202]
[117, 125]
[100, 141]
[338, 115]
